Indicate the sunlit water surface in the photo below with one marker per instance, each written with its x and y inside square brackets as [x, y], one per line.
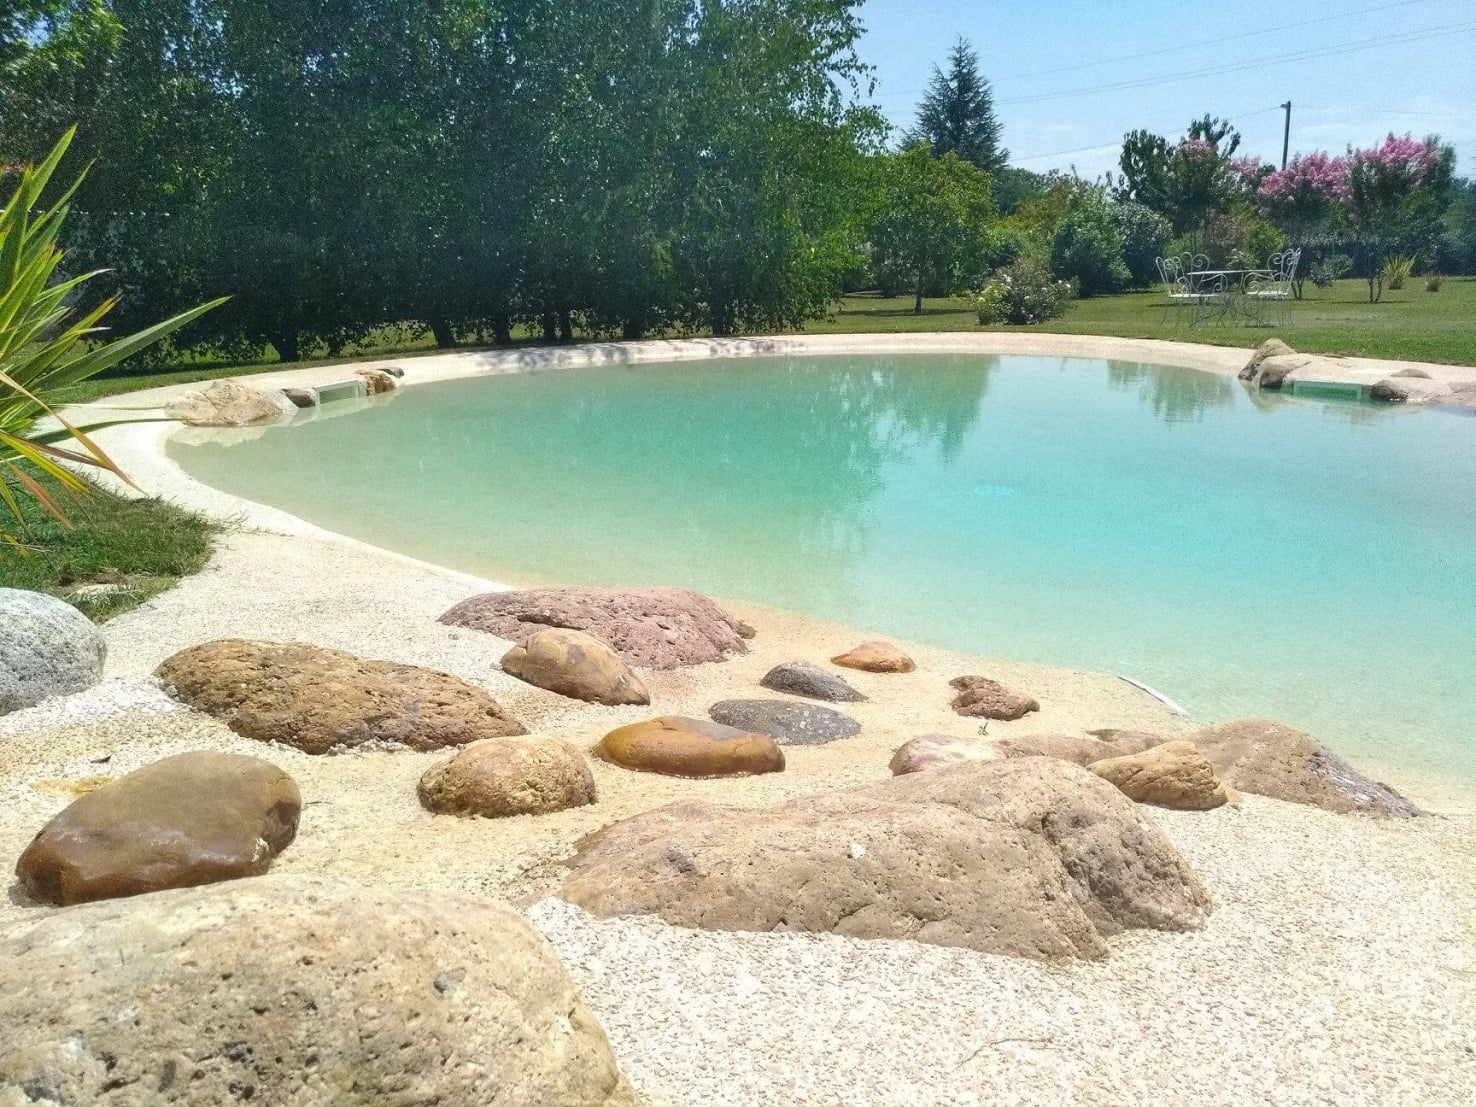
[1313, 562]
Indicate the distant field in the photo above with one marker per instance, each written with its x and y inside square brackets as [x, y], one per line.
[1410, 324]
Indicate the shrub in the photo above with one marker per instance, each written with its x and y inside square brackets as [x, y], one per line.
[1145, 236]
[1026, 292]
[1088, 247]
[1328, 270]
[1433, 282]
[1396, 271]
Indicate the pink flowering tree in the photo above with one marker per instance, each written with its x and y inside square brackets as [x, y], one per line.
[1396, 193]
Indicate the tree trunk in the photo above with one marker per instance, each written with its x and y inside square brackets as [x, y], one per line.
[502, 330]
[566, 326]
[917, 303]
[445, 339]
[550, 327]
[633, 330]
[287, 346]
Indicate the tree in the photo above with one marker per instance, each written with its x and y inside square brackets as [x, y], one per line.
[1145, 237]
[956, 115]
[1398, 192]
[933, 218]
[1186, 182]
[1088, 246]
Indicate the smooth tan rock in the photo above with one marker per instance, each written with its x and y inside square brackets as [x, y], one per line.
[194, 818]
[229, 403]
[1065, 747]
[1174, 774]
[1272, 759]
[576, 665]
[1033, 857]
[875, 657]
[321, 701]
[654, 628]
[1272, 347]
[929, 751]
[676, 745]
[294, 991]
[981, 697]
[498, 777]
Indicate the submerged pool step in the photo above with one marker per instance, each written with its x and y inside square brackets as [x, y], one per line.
[341, 390]
[1330, 390]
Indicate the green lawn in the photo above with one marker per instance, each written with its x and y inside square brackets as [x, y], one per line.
[137, 548]
[1408, 324]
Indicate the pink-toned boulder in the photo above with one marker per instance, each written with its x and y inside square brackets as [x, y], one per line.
[653, 628]
[983, 698]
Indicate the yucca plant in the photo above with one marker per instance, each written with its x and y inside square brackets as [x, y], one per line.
[1397, 271]
[45, 345]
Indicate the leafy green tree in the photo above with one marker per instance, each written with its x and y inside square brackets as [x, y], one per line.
[1088, 247]
[1145, 237]
[956, 115]
[933, 219]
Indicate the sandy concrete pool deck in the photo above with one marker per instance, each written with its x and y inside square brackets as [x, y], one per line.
[1338, 968]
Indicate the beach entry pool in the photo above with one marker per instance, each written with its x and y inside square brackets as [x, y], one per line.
[1244, 554]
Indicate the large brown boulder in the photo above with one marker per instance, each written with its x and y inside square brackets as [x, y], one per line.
[981, 697]
[322, 700]
[576, 665]
[1174, 774]
[930, 751]
[1411, 390]
[509, 776]
[1272, 759]
[654, 628]
[294, 990]
[875, 657]
[1033, 857]
[229, 403]
[679, 746]
[194, 818]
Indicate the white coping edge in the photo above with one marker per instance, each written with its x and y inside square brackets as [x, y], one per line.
[139, 447]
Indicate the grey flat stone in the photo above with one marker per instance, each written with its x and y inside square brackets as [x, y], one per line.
[801, 678]
[789, 724]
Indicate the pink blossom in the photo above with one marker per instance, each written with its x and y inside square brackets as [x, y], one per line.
[1309, 175]
[1197, 147]
[1406, 156]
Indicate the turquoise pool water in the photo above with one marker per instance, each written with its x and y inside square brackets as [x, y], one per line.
[1309, 561]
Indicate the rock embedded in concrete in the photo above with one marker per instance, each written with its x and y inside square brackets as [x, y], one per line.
[499, 777]
[576, 665]
[229, 403]
[323, 701]
[294, 990]
[801, 678]
[1033, 857]
[1272, 347]
[676, 745]
[301, 397]
[1271, 759]
[875, 657]
[653, 628]
[981, 697]
[194, 818]
[377, 382]
[1174, 775]
[788, 723]
[1412, 390]
[47, 648]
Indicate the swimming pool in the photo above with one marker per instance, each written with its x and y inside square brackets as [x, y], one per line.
[1245, 554]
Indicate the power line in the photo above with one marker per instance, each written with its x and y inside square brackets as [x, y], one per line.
[1210, 41]
[1231, 67]
[1118, 142]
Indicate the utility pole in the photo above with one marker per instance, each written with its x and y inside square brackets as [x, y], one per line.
[1286, 135]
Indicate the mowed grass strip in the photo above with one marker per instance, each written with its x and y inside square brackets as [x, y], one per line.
[135, 549]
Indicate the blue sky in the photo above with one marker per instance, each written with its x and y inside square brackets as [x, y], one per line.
[1366, 67]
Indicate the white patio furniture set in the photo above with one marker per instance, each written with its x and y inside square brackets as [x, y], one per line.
[1230, 296]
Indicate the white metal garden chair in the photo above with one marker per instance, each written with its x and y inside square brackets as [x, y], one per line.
[1274, 287]
[1179, 286]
